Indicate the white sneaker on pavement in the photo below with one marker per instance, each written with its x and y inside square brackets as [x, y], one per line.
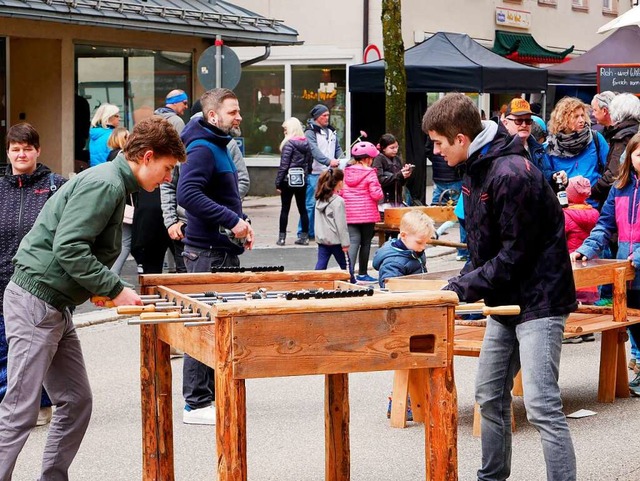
[44, 416]
[206, 415]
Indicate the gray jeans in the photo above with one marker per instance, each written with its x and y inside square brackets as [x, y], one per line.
[534, 347]
[43, 349]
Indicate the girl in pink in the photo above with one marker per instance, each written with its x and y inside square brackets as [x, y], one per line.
[361, 194]
[579, 219]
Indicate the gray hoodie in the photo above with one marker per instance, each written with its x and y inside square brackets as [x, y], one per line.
[331, 222]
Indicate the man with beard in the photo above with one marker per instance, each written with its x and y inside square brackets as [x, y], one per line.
[217, 231]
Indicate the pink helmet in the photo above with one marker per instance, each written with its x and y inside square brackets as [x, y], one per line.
[362, 150]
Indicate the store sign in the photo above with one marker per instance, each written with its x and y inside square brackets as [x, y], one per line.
[507, 17]
[619, 78]
[319, 95]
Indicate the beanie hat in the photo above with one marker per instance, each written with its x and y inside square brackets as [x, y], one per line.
[318, 110]
[578, 190]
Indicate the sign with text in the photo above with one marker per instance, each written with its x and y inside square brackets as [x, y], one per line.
[509, 17]
[619, 78]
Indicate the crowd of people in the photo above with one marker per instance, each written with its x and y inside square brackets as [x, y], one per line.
[504, 176]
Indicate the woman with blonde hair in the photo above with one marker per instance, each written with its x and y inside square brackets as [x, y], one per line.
[295, 165]
[106, 118]
[572, 145]
[116, 142]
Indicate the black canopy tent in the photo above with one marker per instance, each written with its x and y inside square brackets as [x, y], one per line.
[445, 62]
[622, 46]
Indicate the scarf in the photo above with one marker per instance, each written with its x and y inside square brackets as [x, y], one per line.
[569, 145]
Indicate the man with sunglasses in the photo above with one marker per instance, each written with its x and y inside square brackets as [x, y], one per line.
[517, 120]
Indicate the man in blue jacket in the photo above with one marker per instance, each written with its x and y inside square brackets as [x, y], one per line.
[217, 231]
[518, 255]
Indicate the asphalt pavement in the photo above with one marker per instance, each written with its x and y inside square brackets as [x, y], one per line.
[285, 415]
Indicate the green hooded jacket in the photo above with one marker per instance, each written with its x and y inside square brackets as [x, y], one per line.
[66, 256]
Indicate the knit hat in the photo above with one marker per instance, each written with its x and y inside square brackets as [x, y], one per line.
[578, 190]
[517, 107]
[318, 110]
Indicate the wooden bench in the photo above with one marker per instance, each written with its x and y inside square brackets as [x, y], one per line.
[393, 216]
[611, 322]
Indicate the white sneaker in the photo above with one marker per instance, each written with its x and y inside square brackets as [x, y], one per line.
[44, 416]
[206, 415]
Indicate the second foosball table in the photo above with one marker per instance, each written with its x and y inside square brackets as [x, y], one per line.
[274, 324]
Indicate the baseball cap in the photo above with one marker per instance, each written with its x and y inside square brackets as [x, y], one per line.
[517, 107]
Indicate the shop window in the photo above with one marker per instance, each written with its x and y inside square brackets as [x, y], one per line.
[261, 96]
[326, 84]
[135, 80]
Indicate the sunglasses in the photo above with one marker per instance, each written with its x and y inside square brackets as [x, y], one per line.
[520, 121]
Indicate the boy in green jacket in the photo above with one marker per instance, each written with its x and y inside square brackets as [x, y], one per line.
[62, 262]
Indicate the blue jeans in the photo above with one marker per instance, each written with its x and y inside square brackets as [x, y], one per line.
[440, 187]
[310, 202]
[533, 347]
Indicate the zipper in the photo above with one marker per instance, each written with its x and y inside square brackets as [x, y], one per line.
[21, 210]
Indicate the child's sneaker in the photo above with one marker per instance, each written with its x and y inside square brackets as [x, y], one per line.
[604, 302]
[366, 278]
[632, 364]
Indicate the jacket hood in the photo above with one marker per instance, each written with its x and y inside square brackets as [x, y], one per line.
[27, 179]
[300, 144]
[322, 205]
[354, 175]
[198, 129]
[500, 143]
[312, 125]
[623, 129]
[96, 132]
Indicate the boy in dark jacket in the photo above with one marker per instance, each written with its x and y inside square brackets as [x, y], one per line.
[405, 255]
[63, 261]
[518, 255]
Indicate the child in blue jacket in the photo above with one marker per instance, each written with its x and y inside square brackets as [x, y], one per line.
[405, 255]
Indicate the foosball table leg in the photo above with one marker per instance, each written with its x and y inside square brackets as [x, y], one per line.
[336, 427]
[157, 407]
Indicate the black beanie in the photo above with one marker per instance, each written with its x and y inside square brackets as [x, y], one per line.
[318, 110]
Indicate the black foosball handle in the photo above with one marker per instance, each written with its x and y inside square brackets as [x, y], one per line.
[218, 269]
[328, 294]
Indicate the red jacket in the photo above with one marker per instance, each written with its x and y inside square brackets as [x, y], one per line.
[579, 219]
[361, 194]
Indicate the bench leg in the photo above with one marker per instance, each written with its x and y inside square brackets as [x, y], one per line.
[517, 385]
[622, 378]
[399, 396]
[416, 391]
[608, 366]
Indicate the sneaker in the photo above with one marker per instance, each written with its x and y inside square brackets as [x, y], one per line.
[632, 364]
[604, 302]
[366, 278]
[635, 382]
[44, 416]
[462, 258]
[588, 337]
[206, 415]
[572, 340]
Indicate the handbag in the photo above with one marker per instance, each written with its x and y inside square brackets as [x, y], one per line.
[295, 177]
[128, 213]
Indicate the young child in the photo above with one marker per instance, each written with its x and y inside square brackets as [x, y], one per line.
[361, 194]
[405, 255]
[579, 219]
[620, 214]
[392, 175]
[332, 234]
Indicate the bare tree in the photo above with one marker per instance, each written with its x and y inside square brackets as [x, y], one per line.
[395, 78]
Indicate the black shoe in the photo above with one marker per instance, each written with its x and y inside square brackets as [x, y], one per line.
[588, 338]
[572, 340]
[281, 238]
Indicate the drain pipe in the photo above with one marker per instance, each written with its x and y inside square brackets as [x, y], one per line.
[264, 56]
[365, 25]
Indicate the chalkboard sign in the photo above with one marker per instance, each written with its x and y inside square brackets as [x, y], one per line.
[619, 78]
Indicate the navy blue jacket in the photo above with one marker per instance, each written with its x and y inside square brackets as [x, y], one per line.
[208, 187]
[393, 259]
[515, 234]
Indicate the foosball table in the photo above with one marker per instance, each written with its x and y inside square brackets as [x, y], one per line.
[271, 324]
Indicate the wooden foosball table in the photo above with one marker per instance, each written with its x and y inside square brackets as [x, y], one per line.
[291, 324]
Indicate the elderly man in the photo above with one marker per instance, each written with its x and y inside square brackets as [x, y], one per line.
[517, 119]
[602, 113]
[325, 150]
[176, 102]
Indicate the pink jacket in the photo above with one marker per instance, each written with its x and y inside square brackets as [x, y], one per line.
[579, 219]
[361, 194]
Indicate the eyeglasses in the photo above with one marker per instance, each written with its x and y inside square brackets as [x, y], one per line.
[520, 121]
